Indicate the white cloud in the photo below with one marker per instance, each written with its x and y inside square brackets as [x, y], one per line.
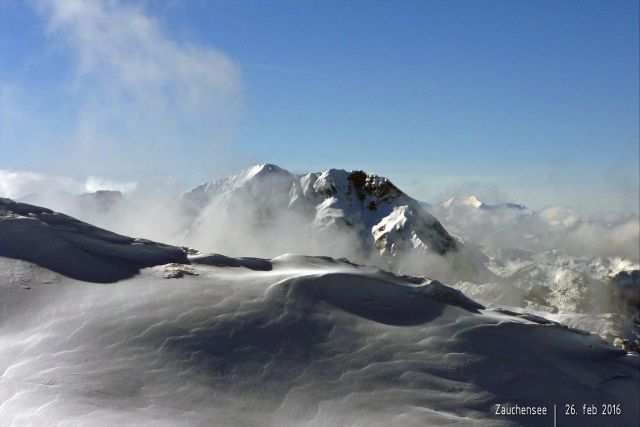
[122, 42]
[140, 99]
[554, 227]
[19, 184]
[95, 183]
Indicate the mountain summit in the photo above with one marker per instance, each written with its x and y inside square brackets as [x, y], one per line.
[472, 202]
[325, 207]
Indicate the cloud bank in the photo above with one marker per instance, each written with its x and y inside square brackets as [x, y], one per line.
[551, 228]
[19, 184]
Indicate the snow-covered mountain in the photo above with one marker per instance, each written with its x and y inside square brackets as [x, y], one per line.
[292, 340]
[475, 203]
[470, 201]
[511, 225]
[577, 269]
[73, 248]
[373, 212]
[596, 294]
[92, 203]
[552, 261]
[506, 257]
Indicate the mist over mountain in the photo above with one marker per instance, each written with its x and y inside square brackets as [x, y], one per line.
[293, 339]
[369, 206]
[75, 249]
[543, 268]
[554, 261]
[550, 228]
[319, 214]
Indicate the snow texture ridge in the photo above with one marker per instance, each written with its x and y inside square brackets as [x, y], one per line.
[73, 248]
[311, 341]
[292, 340]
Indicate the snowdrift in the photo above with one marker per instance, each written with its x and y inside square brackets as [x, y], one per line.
[73, 248]
[293, 340]
[309, 341]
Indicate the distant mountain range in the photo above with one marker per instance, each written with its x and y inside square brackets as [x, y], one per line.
[501, 254]
[209, 339]
[474, 202]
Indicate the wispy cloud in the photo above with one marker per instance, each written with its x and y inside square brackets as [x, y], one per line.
[140, 98]
[121, 42]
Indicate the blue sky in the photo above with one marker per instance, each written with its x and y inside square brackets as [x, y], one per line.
[535, 102]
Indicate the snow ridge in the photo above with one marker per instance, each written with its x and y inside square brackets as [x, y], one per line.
[73, 248]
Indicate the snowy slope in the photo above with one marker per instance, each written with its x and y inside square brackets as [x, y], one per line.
[73, 248]
[580, 270]
[551, 261]
[293, 340]
[369, 208]
[98, 205]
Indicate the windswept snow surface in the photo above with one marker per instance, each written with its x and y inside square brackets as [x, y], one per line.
[582, 271]
[309, 341]
[293, 340]
[74, 248]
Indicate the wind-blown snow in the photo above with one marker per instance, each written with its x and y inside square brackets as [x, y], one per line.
[292, 340]
[312, 341]
[576, 269]
[74, 248]
[552, 261]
